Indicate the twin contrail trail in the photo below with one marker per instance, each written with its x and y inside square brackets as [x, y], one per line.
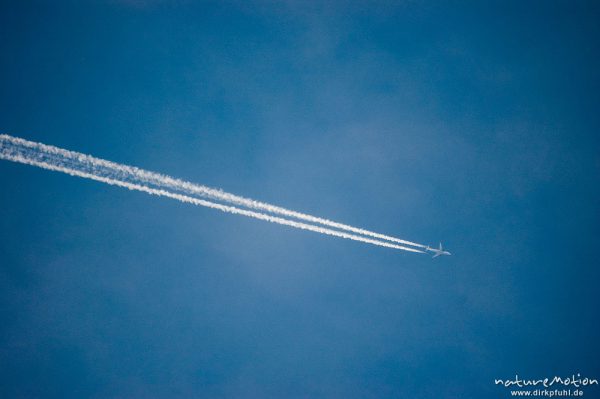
[81, 165]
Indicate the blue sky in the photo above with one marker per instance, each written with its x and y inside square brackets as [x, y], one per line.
[469, 123]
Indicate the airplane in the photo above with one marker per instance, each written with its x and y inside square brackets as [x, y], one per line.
[438, 252]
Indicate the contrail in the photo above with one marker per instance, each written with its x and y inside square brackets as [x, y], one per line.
[143, 177]
[11, 149]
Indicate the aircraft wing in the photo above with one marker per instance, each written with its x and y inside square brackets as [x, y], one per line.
[435, 256]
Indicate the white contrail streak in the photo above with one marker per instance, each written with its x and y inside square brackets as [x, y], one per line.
[146, 178]
[29, 158]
